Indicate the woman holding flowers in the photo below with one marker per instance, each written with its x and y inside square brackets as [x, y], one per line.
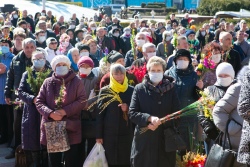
[226, 109]
[28, 90]
[152, 99]
[63, 84]
[114, 130]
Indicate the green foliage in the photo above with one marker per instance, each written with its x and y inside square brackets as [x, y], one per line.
[124, 24]
[210, 7]
[143, 5]
[153, 6]
[162, 5]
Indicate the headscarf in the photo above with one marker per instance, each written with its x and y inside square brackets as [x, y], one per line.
[116, 86]
[73, 64]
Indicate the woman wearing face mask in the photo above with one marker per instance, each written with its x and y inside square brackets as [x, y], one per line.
[92, 28]
[88, 118]
[118, 42]
[126, 39]
[73, 55]
[226, 109]
[153, 99]
[14, 18]
[114, 129]
[213, 50]
[204, 36]
[74, 102]
[187, 85]
[165, 48]
[224, 76]
[140, 40]
[84, 50]
[31, 118]
[94, 51]
[65, 44]
[6, 114]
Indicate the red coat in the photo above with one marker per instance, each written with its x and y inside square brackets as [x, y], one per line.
[73, 104]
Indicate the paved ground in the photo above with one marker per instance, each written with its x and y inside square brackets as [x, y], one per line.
[3, 152]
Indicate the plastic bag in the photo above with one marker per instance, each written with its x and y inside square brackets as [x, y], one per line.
[96, 157]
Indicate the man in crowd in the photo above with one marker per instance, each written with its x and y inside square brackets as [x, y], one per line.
[40, 39]
[103, 41]
[27, 19]
[242, 46]
[42, 25]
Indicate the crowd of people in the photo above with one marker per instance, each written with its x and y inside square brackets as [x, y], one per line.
[115, 80]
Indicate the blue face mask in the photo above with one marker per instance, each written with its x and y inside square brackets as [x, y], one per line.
[39, 64]
[62, 70]
[5, 49]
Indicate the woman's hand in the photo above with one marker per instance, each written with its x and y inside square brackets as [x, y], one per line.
[99, 141]
[200, 84]
[154, 120]
[34, 101]
[124, 107]
[152, 127]
[56, 116]
[61, 112]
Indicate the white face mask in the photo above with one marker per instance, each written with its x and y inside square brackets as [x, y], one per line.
[212, 27]
[224, 81]
[15, 16]
[182, 64]
[85, 71]
[43, 14]
[114, 27]
[140, 42]
[245, 38]
[155, 77]
[93, 28]
[81, 23]
[72, 26]
[65, 44]
[84, 54]
[168, 25]
[127, 32]
[168, 38]
[153, 29]
[41, 39]
[116, 34]
[151, 55]
[216, 58]
[203, 33]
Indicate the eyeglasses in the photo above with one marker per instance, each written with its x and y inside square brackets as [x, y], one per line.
[53, 43]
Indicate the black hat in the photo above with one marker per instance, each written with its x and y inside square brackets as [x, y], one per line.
[184, 53]
[113, 56]
[116, 29]
[3, 40]
[63, 27]
[83, 46]
[77, 31]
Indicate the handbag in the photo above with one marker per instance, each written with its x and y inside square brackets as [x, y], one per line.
[218, 155]
[173, 140]
[57, 137]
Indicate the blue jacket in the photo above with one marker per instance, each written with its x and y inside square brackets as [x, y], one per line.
[6, 60]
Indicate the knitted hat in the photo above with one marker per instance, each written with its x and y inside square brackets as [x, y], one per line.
[184, 53]
[49, 40]
[189, 32]
[83, 46]
[225, 68]
[60, 59]
[113, 56]
[85, 60]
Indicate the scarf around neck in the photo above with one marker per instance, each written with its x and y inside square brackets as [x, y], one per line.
[117, 87]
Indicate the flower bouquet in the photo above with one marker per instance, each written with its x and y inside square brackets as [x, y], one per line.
[139, 72]
[191, 159]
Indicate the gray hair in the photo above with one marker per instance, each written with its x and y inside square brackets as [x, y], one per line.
[28, 41]
[179, 38]
[147, 45]
[138, 34]
[155, 60]
[114, 68]
[74, 49]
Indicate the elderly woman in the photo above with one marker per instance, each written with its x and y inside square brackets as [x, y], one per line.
[140, 40]
[216, 92]
[226, 109]
[94, 51]
[165, 48]
[187, 86]
[114, 130]
[31, 118]
[69, 111]
[153, 99]
[74, 56]
[64, 45]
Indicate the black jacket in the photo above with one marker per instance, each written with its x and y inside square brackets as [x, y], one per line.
[29, 20]
[17, 68]
[50, 34]
[106, 42]
[119, 44]
[148, 149]
[117, 134]
[129, 58]
[41, 45]
[233, 59]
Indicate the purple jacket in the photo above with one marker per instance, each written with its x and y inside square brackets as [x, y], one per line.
[73, 104]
